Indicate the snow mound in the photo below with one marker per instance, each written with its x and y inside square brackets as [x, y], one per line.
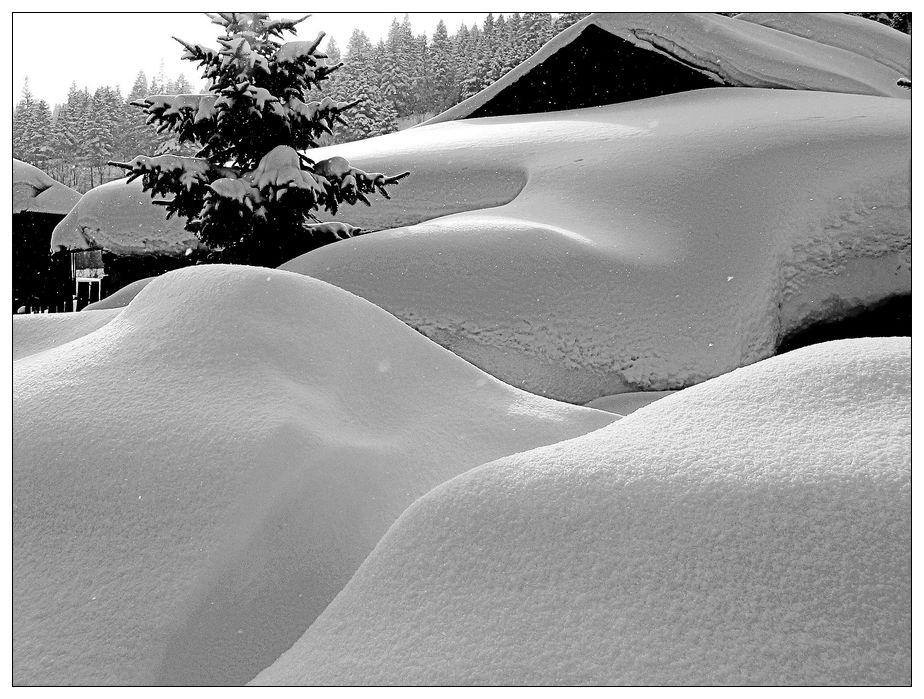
[119, 216]
[728, 51]
[886, 46]
[34, 191]
[120, 298]
[37, 332]
[656, 244]
[754, 529]
[195, 480]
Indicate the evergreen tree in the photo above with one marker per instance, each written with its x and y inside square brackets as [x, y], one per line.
[333, 52]
[500, 55]
[249, 193]
[39, 141]
[22, 124]
[140, 87]
[565, 20]
[103, 108]
[423, 83]
[374, 115]
[181, 85]
[513, 42]
[536, 29]
[445, 88]
[136, 133]
[470, 78]
[398, 66]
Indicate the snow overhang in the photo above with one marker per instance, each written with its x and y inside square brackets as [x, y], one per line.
[35, 192]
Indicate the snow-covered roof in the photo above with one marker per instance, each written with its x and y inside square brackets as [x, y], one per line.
[655, 244]
[858, 35]
[120, 217]
[727, 51]
[226, 451]
[36, 192]
[752, 530]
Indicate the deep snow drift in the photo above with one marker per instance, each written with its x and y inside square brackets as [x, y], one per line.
[754, 529]
[37, 192]
[196, 479]
[119, 216]
[656, 244]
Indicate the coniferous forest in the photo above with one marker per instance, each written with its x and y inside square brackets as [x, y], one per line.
[403, 80]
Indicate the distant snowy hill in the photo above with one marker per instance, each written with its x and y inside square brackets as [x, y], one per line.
[754, 529]
[196, 476]
[655, 244]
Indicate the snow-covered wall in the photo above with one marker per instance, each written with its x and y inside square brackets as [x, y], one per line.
[752, 530]
[724, 50]
[656, 244]
[36, 192]
[120, 217]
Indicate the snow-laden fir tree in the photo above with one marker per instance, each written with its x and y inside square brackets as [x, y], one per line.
[250, 191]
[374, 115]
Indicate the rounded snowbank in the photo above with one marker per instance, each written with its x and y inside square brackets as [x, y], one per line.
[656, 244]
[196, 479]
[754, 529]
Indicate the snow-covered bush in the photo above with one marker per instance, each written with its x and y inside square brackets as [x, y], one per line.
[250, 191]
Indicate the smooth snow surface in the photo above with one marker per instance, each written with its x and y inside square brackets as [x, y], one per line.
[36, 192]
[119, 216]
[754, 529]
[195, 480]
[734, 53]
[656, 244]
[625, 403]
[37, 332]
[865, 37]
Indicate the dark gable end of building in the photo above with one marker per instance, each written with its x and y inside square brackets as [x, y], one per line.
[596, 68]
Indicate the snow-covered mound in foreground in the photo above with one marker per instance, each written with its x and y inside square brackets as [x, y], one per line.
[119, 216]
[195, 480]
[36, 192]
[859, 35]
[754, 529]
[656, 243]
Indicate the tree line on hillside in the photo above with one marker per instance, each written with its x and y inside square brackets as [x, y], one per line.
[401, 80]
[73, 141]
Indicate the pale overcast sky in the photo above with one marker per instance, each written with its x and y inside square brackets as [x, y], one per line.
[93, 49]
